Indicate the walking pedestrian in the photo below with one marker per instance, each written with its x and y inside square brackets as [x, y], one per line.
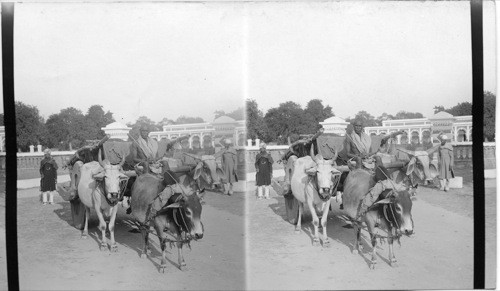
[446, 162]
[264, 169]
[228, 155]
[48, 174]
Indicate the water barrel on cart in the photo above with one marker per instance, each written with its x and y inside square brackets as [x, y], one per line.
[77, 213]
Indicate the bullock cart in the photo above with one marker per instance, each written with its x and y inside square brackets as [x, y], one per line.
[327, 144]
[113, 150]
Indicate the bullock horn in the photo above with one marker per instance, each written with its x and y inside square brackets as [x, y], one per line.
[192, 156]
[99, 158]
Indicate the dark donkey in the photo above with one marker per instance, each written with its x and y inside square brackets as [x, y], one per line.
[174, 210]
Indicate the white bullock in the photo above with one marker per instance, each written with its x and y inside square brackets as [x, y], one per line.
[100, 188]
[313, 181]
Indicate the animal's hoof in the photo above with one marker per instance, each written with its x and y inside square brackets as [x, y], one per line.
[360, 247]
[182, 267]
[316, 242]
[114, 248]
[355, 252]
[103, 247]
[394, 262]
[84, 236]
[297, 231]
[373, 264]
[162, 269]
[326, 244]
[143, 255]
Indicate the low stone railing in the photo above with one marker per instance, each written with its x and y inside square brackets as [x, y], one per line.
[462, 153]
[28, 164]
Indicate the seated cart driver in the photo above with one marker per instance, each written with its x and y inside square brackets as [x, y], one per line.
[144, 149]
[357, 144]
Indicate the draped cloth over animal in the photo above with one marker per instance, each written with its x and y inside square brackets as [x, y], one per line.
[264, 163]
[445, 161]
[229, 165]
[149, 148]
[48, 171]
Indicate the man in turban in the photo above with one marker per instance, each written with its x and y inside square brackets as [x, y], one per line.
[48, 173]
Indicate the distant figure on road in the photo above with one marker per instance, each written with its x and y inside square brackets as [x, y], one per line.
[446, 162]
[229, 166]
[48, 174]
[264, 168]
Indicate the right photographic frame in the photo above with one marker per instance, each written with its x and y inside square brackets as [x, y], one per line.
[359, 147]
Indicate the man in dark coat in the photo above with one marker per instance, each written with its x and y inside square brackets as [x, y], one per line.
[48, 174]
[264, 168]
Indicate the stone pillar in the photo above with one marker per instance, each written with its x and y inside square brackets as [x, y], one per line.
[191, 142]
[399, 139]
[32, 148]
[455, 134]
[420, 136]
[39, 148]
[257, 142]
[249, 142]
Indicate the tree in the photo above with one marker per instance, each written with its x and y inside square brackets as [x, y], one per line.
[165, 121]
[140, 121]
[315, 113]
[489, 115]
[185, 120]
[57, 131]
[384, 117]
[74, 120]
[286, 119]
[366, 119]
[97, 119]
[408, 115]
[1, 120]
[256, 127]
[438, 109]
[461, 109]
[28, 125]
[238, 114]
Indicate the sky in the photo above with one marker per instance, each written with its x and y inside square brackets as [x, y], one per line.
[153, 59]
[172, 59]
[374, 56]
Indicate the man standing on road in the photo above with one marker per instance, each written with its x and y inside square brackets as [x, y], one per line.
[264, 168]
[228, 155]
[48, 173]
[446, 160]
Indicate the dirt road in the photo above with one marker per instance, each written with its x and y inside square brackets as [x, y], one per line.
[52, 256]
[439, 255]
